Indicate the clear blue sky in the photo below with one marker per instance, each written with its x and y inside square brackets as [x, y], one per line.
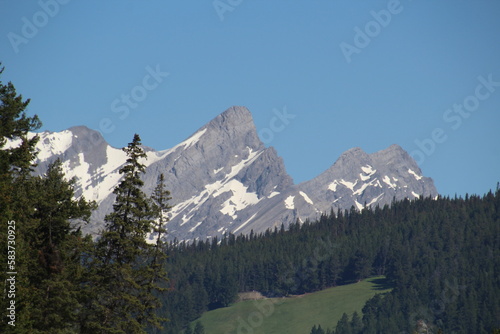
[353, 73]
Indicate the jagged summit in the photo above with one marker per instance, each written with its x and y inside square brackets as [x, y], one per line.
[224, 180]
[235, 117]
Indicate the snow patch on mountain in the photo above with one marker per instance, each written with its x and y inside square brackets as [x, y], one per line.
[274, 193]
[240, 199]
[194, 228]
[245, 223]
[375, 200]
[289, 203]
[252, 156]
[108, 174]
[333, 186]
[53, 144]
[387, 180]
[80, 170]
[152, 157]
[195, 138]
[418, 177]
[348, 184]
[49, 143]
[306, 198]
[368, 170]
[363, 187]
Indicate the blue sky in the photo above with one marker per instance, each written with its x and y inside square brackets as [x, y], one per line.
[421, 74]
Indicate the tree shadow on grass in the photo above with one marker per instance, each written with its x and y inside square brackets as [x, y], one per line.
[381, 284]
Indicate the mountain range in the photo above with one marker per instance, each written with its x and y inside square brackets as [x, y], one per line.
[223, 179]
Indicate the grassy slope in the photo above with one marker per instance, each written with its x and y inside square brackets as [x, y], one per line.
[294, 315]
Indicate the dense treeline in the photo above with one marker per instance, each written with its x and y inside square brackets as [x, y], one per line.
[441, 256]
[444, 262]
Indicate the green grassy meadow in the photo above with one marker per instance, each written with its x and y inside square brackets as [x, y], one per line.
[293, 315]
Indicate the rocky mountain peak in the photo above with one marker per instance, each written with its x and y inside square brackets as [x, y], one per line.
[235, 125]
[224, 180]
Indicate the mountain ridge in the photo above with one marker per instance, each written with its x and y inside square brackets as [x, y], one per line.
[223, 179]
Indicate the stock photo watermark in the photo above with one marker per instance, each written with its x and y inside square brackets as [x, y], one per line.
[131, 100]
[373, 28]
[10, 281]
[455, 117]
[277, 124]
[31, 26]
[223, 6]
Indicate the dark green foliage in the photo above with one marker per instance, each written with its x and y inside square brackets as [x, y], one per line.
[440, 255]
[356, 323]
[443, 260]
[198, 328]
[158, 253]
[55, 247]
[317, 330]
[65, 282]
[47, 248]
[125, 271]
[15, 125]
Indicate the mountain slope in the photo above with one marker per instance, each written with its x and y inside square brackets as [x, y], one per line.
[356, 179]
[223, 179]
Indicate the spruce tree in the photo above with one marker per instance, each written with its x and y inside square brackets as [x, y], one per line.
[357, 323]
[159, 199]
[122, 281]
[43, 210]
[343, 326]
[56, 246]
[156, 275]
[17, 152]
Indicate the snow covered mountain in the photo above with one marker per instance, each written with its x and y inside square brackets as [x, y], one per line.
[223, 179]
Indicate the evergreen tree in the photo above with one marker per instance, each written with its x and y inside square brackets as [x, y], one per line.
[42, 210]
[56, 246]
[156, 256]
[122, 280]
[188, 330]
[17, 152]
[160, 198]
[356, 323]
[199, 329]
[343, 326]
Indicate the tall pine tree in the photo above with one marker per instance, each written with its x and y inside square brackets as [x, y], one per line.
[17, 151]
[156, 275]
[122, 280]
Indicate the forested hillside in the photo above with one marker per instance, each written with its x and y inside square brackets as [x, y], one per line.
[442, 257]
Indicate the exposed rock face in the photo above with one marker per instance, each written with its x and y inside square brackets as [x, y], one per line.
[224, 180]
